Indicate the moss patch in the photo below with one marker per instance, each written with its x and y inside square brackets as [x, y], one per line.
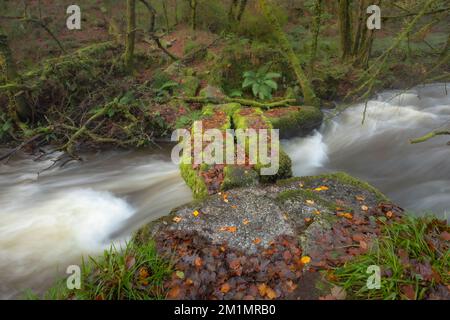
[295, 121]
[342, 178]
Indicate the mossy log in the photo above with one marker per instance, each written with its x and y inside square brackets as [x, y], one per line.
[244, 102]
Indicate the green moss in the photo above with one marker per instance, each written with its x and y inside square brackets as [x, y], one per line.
[189, 86]
[284, 170]
[194, 181]
[342, 178]
[299, 122]
[304, 194]
[237, 177]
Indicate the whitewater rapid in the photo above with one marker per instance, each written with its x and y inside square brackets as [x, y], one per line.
[416, 176]
[49, 219]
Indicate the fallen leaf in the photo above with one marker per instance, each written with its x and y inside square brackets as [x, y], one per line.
[305, 260]
[322, 188]
[262, 289]
[317, 212]
[198, 262]
[130, 261]
[389, 214]
[338, 293]
[174, 293]
[228, 229]
[257, 241]
[180, 274]
[408, 291]
[271, 294]
[177, 219]
[246, 222]
[364, 208]
[360, 198]
[308, 220]
[445, 236]
[363, 245]
[346, 215]
[310, 202]
[225, 288]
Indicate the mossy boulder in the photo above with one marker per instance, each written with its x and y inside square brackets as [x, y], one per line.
[189, 86]
[194, 180]
[294, 121]
[238, 176]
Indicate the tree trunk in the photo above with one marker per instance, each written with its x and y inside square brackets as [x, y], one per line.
[17, 98]
[242, 7]
[233, 7]
[345, 32]
[131, 35]
[166, 15]
[316, 30]
[193, 5]
[361, 30]
[308, 93]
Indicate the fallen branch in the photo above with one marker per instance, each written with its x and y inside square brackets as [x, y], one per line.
[244, 102]
[430, 135]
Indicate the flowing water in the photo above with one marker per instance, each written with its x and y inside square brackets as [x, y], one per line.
[416, 176]
[50, 218]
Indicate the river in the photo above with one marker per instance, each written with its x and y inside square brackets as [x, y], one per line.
[50, 218]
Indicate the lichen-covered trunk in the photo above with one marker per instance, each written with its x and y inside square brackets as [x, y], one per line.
[241, 11]
[315, 30]
[361, 28]
[193, 4]
[345, 32]
[166, 15]
[20, 108]
[233, 6]
[131, 35]
[308, 93]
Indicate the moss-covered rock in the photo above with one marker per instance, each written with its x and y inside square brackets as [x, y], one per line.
[237, 177]
[189, 86]
[295, 121]
[194, 180]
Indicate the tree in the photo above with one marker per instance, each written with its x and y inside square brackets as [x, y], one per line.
[316, 30]
[131, 35]
[193, 4]
[345, 31]
[21, 109]
[308, 92]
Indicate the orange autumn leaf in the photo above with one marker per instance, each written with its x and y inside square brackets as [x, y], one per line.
[225, 288]
[305, 260]
[257, 241]
[198, 262]
[177, 219]
[271, 294]
[246, 222]
[322, 188]
[389, 214]
[346, 215]
[143, 273]
[317, 212]
[174, 293]
[262, 289]
[228, 229]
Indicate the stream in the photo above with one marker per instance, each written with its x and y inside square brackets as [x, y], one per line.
[51, 217]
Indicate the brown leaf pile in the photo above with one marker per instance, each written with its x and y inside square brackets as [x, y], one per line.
[218, 272]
